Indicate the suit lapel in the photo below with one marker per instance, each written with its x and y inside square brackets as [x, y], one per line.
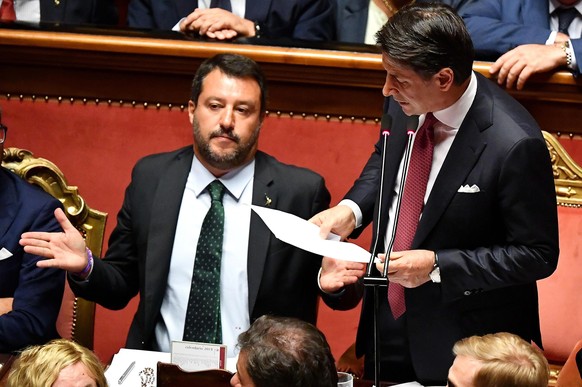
[259, 235]
[464, 153]
[51, 11]
[536, 13]
[162, 230]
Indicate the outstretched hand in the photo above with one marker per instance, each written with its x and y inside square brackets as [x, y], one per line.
[338, 219]
[336, 273]
[65, 250]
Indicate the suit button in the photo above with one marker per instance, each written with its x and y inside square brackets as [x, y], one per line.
[467, 293]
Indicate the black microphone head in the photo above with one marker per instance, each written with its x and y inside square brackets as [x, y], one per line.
[411, 123]
[386, 123]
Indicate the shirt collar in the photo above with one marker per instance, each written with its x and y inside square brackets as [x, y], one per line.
[235, 180]
[454, 115]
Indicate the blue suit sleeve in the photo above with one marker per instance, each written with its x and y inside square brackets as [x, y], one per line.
[38, 295]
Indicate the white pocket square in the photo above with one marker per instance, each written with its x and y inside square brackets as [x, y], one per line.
[4, 254]
[469, 189]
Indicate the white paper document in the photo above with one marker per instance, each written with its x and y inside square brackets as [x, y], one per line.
[143, 373]
[305, 235]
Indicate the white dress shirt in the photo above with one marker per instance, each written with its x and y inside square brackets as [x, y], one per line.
[234, 305]
[376, 19]
[27, 10]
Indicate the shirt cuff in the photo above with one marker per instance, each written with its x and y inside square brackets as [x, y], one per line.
[355, 209]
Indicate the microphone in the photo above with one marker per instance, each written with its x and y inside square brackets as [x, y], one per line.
[411, 127]
[385, 127]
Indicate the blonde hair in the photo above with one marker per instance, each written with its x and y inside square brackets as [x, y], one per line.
[39, 366]
[507, 360]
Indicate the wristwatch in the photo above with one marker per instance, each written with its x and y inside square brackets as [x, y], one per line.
[435, 274]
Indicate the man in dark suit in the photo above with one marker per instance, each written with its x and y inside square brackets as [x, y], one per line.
[526, 37]
[103, 12]
[153, 247]
[292, 19]
[488, 226]
[30, 297]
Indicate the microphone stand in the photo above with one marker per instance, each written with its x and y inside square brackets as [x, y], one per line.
[382, 281]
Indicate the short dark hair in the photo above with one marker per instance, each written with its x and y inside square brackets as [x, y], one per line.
[428, 37]
[287, 352]
[233, 65]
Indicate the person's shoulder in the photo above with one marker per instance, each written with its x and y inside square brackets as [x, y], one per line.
[30, 194]
[288, 171]
[163, 158]
[509, 118]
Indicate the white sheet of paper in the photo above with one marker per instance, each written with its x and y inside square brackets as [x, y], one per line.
[144, 361]
[305, 235]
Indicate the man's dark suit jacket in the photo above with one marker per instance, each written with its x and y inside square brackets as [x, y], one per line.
[352, 17]
[492, 245]
[79, 12]
[293, 19]
[282, 279]
[37, 292]
[498, 26]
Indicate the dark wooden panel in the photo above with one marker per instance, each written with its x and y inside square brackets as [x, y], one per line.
[328, 82]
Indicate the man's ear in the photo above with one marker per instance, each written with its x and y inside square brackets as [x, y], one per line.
[191, 110]
[445, 78]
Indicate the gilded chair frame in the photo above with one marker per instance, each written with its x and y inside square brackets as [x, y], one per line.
[567, 174]
[568, 182]
[90, 222]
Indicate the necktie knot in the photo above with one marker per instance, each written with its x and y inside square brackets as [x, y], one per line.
[216, 190]
[565, 18]
[429, 121]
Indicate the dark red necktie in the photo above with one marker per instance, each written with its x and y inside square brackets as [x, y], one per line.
[412, 203]
[7, 11]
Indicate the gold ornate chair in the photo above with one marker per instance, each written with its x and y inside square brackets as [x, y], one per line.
[77, 316]
[559, 295]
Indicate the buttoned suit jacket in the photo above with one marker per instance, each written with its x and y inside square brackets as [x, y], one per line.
[492, 245]
[282, 280]
[498, 26]
[37, 292]
[102, 12]
[352, 17]
[293, 19]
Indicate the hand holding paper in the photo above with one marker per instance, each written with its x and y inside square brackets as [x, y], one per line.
[305, 235]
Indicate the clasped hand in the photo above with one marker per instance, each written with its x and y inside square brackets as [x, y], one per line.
[410, 268]
[217, 23]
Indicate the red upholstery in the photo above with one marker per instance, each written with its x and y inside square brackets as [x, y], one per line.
[559, 294]
[569, 376]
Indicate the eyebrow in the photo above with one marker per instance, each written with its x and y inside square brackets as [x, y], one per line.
[450, 383]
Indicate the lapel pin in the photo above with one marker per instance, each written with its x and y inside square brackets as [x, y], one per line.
[268, 200]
